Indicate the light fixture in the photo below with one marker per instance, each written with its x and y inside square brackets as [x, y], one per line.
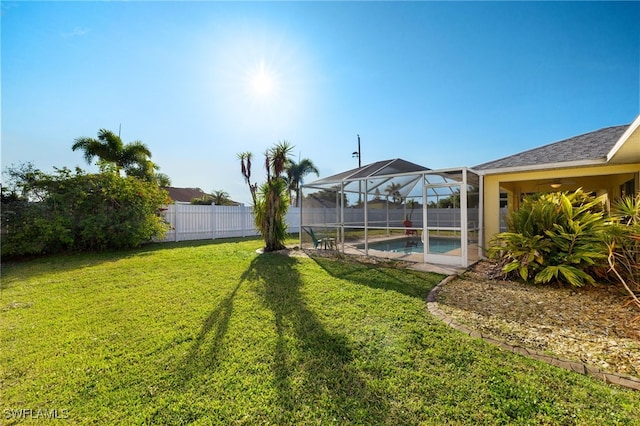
[555, 185]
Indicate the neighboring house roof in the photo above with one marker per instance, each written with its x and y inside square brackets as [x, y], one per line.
[184, 195]
[589, 148]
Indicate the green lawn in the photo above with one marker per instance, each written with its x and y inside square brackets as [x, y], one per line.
[213, 333]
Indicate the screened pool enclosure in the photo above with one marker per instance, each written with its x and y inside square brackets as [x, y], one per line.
[395, 209]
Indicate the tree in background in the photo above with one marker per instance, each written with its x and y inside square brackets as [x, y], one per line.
[113, 155]
[393, 190]
[295, 175]
[163, 180]
[270, 199]
[218, 197]
[221, 198]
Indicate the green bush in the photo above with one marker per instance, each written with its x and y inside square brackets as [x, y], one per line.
[556, 236]
[205, 200]
[623, 241]
[79, 211]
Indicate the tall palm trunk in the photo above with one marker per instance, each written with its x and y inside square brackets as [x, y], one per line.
[270, 212]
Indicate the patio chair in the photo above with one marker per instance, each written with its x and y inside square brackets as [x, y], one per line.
[408, 225]
[320, 239]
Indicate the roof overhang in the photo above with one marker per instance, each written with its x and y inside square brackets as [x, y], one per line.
[540, 167]
[627, 149]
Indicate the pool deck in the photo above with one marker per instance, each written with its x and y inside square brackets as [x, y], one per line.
[416, 259]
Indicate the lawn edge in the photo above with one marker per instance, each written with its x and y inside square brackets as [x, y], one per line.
[626, 381]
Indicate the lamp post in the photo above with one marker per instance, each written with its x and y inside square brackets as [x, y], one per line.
[357, 154]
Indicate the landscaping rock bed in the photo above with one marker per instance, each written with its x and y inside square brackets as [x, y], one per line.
[589, 324]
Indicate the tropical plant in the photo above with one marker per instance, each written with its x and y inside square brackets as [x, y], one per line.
[451, 201]
[221, 198]
[295, 176]
[114, 155]
[393, 191]
[627, 210]
[218, 197]
[271, 202]
[623, 242]
[555, 236]
[245, 163]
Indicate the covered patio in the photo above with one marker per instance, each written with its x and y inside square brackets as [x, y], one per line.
[396, 209]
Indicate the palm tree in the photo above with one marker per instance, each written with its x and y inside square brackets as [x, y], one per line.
[271, 203]
[220, 198]
[393, 190]
[295, 174]
[133, 157]
[245, 163]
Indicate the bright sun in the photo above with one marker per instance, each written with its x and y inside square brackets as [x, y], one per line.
[262, 82]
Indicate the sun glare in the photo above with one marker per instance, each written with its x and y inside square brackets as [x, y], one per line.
[262, 82]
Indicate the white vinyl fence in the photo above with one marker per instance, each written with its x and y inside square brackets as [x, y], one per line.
[193, 222]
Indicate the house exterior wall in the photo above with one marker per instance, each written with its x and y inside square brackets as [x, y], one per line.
[600, 179]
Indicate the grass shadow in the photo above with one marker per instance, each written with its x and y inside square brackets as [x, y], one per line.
[312, 365]
[381, 276]
[217, 322]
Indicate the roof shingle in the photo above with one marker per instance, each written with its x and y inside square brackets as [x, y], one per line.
[184, 195]
[589, 146]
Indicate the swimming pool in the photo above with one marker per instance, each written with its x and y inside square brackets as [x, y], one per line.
[414, 245]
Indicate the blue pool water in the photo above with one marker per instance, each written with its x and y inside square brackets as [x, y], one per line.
[414, 245]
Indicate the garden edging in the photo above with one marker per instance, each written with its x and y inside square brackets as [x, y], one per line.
[626, 381]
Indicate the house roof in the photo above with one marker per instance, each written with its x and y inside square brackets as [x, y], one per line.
[591, 147]
[184, 194]
[627, 149]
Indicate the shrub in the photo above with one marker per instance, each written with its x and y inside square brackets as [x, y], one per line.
[205, 200]
[555, 236]
[623, 241]
[79, 211]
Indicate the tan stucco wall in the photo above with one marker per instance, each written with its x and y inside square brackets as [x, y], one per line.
[600, 179]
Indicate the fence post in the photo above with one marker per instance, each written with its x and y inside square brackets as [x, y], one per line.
[243, 215]
[176, 238]
[213, 221]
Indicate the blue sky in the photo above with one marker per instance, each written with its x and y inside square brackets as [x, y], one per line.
[441, 84]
